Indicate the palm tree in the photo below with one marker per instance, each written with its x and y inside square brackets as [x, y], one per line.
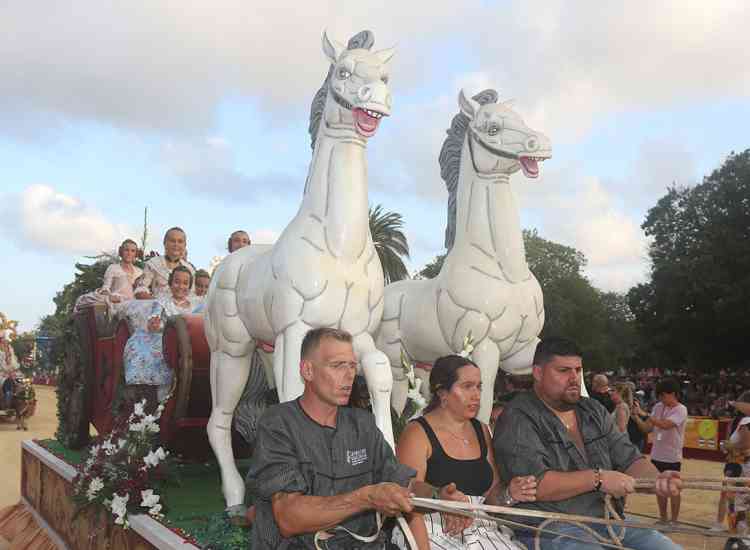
[390, 242]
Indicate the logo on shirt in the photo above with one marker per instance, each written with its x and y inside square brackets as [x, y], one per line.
[355, 458]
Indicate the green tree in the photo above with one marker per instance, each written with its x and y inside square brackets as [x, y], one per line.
[694, 308]
[390, 242]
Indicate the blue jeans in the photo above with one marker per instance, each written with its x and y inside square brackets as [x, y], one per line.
[638, 539]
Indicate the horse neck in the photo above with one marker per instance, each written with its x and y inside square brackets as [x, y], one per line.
[487, 219]
[336, 194]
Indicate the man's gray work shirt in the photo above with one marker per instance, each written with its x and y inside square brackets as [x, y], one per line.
[295, 454]
[531, 440]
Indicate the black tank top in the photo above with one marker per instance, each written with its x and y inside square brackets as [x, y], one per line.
[472, 477]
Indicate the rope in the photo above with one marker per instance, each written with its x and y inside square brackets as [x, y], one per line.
[696, 484]
[324, 534]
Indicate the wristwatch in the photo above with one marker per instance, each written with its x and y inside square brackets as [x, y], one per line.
[508, 499]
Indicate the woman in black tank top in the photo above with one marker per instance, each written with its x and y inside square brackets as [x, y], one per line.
[449, 445]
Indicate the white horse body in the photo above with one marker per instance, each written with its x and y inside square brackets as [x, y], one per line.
[322, 272]
[484, 287]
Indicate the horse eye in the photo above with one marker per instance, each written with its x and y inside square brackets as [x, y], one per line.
[385, 79]
[344, 73]
[494, 129]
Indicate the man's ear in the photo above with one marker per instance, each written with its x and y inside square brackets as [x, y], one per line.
[306, 370]
[536, 371]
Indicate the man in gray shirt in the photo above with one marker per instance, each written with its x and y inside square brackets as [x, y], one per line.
[570, 445]
[323, 470]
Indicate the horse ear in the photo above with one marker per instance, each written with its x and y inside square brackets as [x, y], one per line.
[469, 107]
[332, 48]
[385, 55]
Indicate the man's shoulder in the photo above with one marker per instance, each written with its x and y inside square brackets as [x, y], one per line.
[280, 413]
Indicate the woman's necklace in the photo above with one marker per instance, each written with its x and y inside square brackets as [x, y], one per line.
[464, 440]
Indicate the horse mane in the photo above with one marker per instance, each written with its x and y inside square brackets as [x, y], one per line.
[362, 40]
[450, 160]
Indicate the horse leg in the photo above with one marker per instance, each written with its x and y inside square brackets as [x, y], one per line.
[377, 371]
[487, 356]
[228, 378]
[286, 361]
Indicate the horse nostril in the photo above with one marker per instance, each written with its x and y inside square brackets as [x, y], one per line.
[365, 93]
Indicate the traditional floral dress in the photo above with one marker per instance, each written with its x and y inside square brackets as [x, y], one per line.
[143, 357]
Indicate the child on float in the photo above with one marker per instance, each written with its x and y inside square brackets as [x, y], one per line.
[120, 277]
[143, 357]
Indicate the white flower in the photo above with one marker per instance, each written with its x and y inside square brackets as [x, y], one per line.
[417, 398]
[119, 508]
[138, 409]
[89, 463]
[95, 450]
[95, 486]
[153, 428]
[108, 447]
[153, 458]
[149, 499]
[121, 443]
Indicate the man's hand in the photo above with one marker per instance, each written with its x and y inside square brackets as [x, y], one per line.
[390, 499]
[636, 410]
[668, 484]
[617, 484]
[523, 489]
[454, 524]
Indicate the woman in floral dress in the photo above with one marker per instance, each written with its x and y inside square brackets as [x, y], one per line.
[143, 357]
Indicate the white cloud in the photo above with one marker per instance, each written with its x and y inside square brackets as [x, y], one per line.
[41, 217]
[165, 66]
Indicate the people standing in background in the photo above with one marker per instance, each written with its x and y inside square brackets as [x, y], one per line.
[622, 397]
[667, 420]
[600, 391]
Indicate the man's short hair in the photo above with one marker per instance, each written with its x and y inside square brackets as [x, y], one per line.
[668, 385]
[550, 347]
[311, 341]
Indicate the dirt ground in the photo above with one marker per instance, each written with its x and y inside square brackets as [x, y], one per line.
[698, 507]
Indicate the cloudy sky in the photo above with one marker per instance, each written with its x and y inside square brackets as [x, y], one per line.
[199, 111]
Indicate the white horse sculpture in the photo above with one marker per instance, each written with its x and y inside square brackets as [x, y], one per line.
[484, 287]
[322, 272]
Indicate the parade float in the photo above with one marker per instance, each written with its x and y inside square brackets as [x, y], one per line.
[116, 491]
[18, 399]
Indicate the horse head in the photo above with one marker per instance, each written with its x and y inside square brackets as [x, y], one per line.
[358, 93]
[499, 140]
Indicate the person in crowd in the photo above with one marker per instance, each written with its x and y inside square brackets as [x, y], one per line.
[740, 442]
[8, 366]
[622, 397]
[498, 406]
[600, 391]
[142, 356]
[237, 240]
[570, 445]
[448, 444]
[202, 280]
[322, 470]
[637, 427]
[156, 271]
[737, 455]
[668, 420]
[120, 277]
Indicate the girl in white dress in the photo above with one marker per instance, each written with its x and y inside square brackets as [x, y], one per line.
[120, 277]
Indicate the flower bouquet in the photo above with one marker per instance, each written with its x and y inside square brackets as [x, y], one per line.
[124, 470]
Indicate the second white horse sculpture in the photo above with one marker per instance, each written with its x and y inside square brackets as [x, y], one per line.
[484, 287]
[322, 272]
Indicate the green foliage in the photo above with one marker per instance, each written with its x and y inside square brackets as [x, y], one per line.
[23, 345]
[390, 242]
[693, 311]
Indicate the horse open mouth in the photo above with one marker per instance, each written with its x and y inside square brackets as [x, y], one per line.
[530, 166]
[366, 121]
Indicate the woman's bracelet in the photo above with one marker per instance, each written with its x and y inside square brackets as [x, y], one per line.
[597, 479]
